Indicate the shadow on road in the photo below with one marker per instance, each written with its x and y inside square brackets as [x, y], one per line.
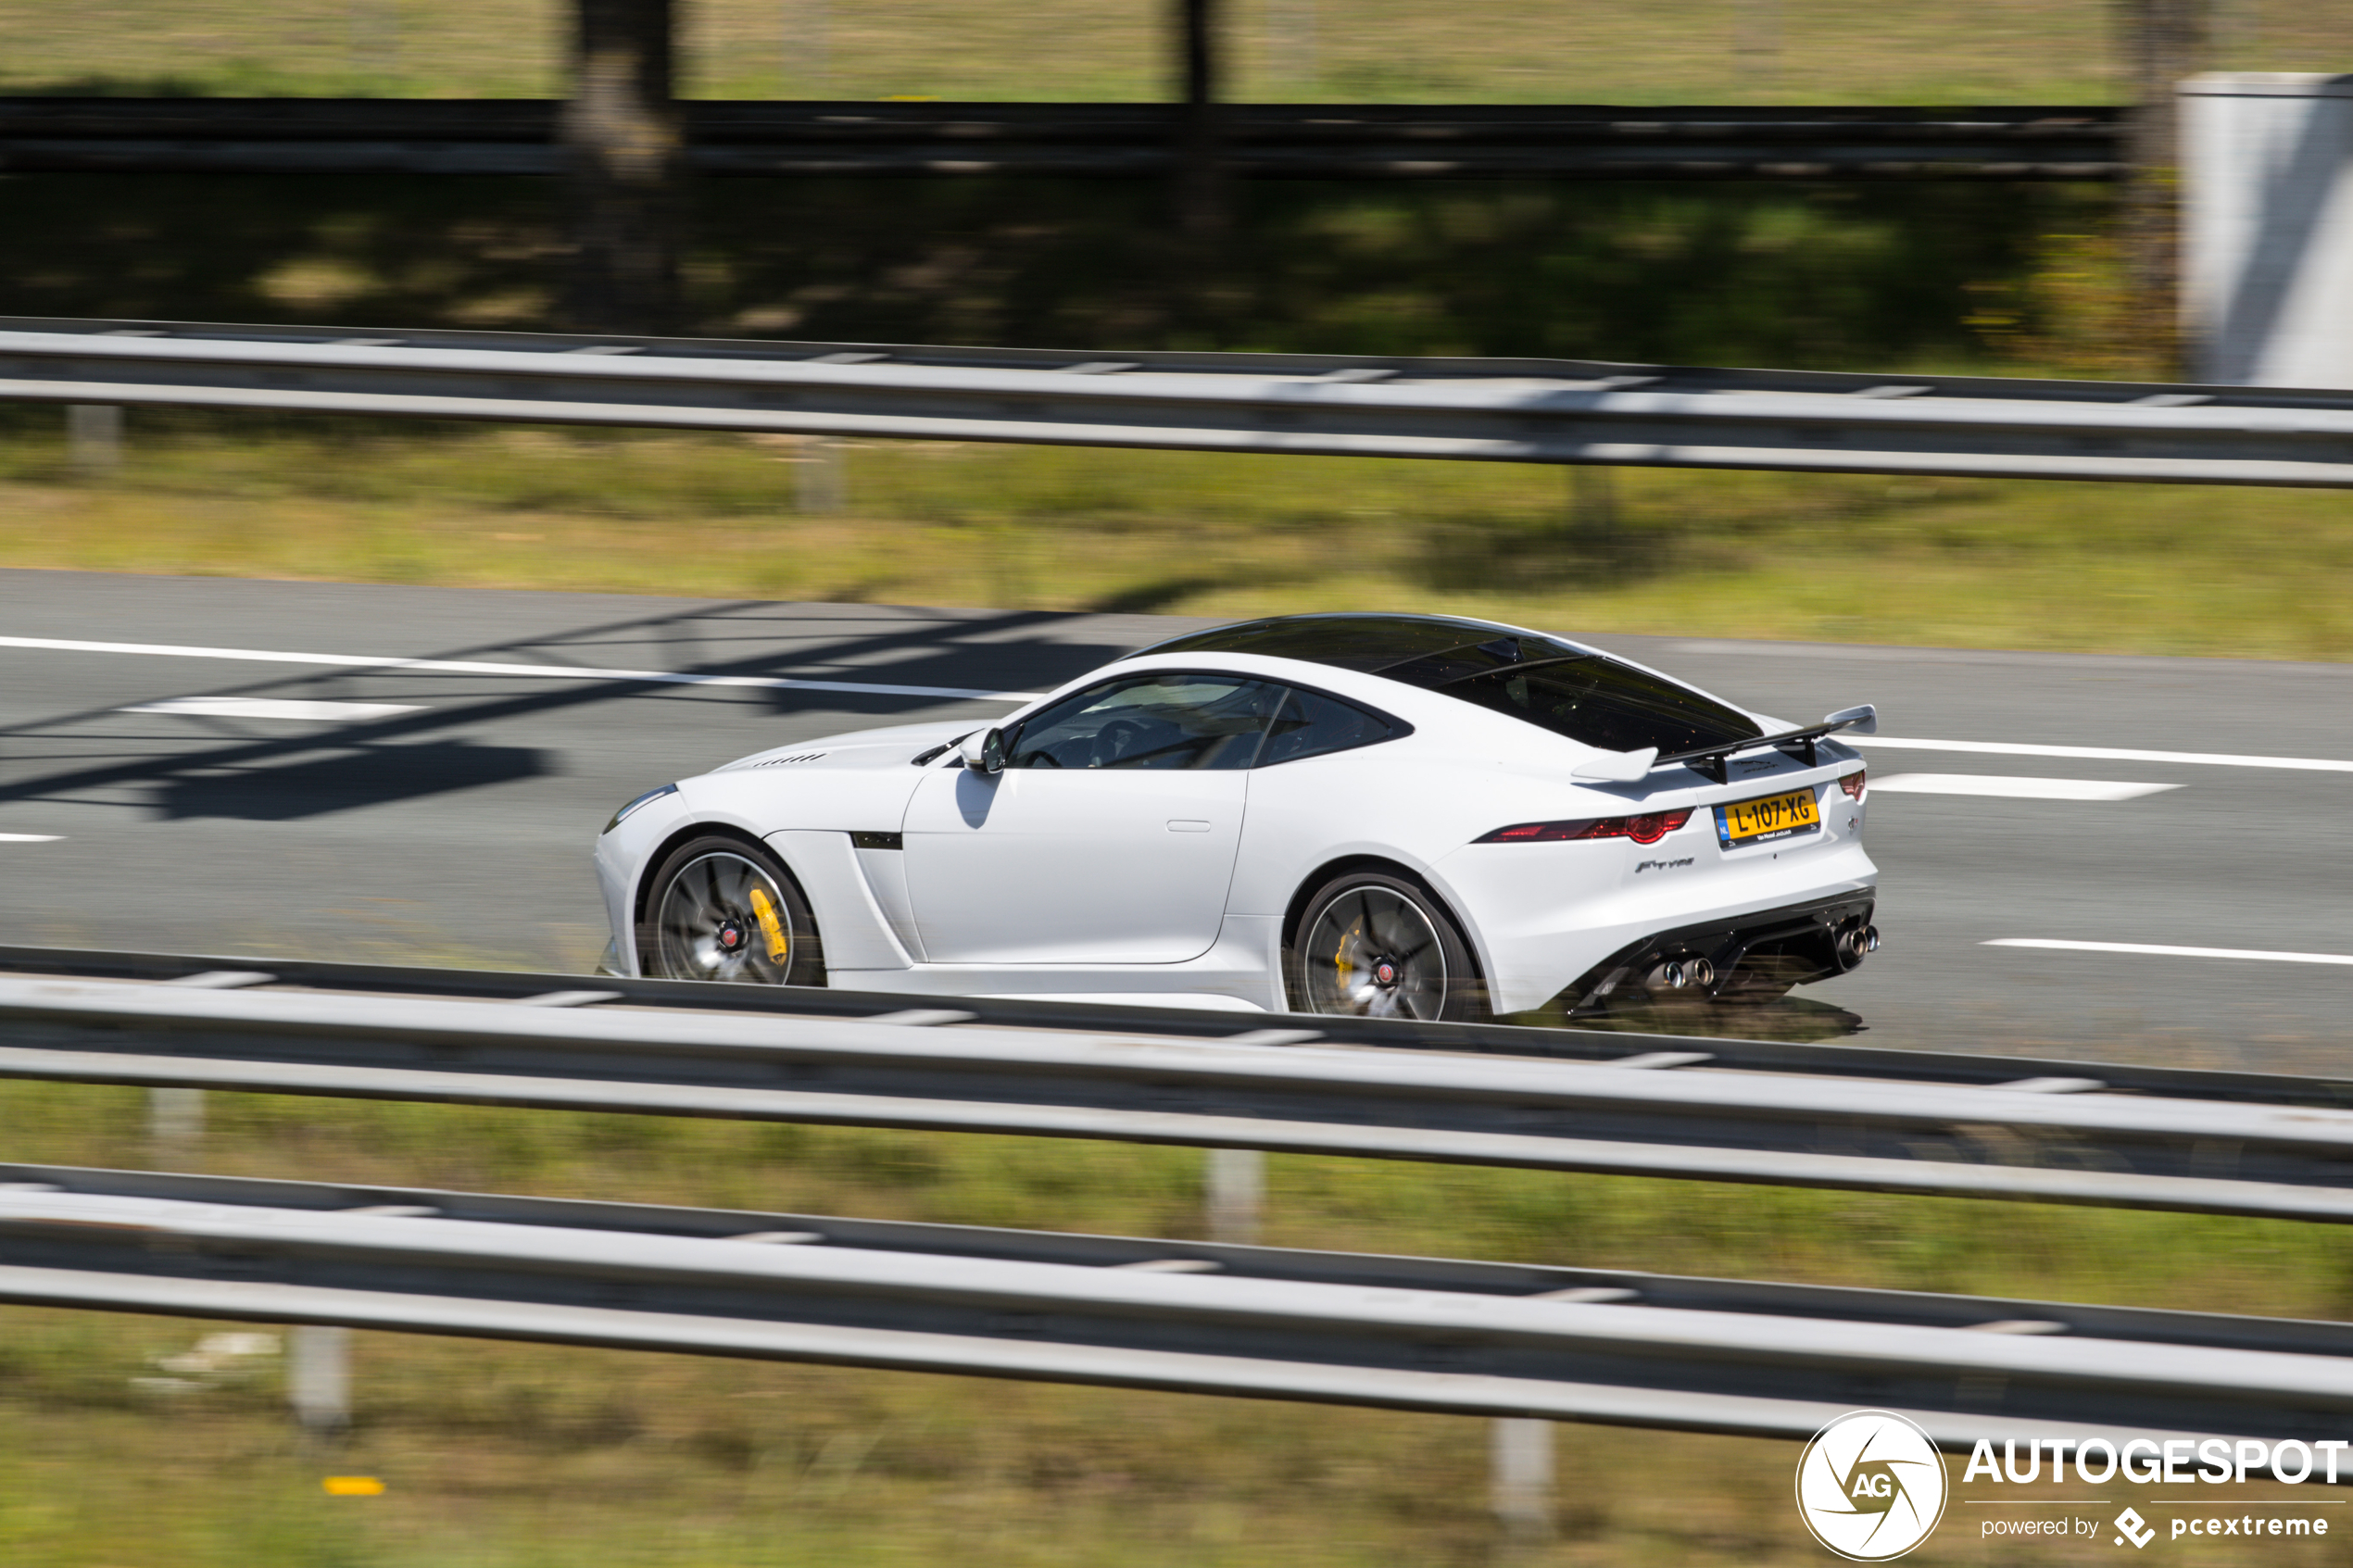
[233, 772]
[375, 777]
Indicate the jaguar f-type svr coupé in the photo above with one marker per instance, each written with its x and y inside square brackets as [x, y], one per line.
[1393, 815]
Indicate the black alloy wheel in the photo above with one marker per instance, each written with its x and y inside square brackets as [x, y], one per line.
[1376, 945]
[722, 909]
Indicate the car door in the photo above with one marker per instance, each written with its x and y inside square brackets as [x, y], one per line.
[1109, 835]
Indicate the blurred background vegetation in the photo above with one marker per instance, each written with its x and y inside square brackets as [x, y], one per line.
[1864, 276]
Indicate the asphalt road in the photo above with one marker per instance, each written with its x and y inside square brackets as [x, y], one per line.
[456, 827]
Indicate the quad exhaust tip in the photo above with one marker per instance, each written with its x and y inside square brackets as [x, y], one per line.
[1682, 974]
[1692, 974]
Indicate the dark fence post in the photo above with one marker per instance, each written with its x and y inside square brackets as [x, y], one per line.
[1201, 197]
[624, 147]
[2165, 41]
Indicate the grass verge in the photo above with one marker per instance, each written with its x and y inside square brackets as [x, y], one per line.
[2126, 569]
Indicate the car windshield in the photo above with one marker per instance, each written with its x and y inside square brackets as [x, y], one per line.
[1587, 697]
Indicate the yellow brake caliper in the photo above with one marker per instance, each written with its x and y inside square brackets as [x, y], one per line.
[765, 911]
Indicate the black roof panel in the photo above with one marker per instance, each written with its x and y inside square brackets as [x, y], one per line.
[1590, 697]
[1370, 642]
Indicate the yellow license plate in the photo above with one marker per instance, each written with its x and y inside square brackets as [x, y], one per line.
[1761, 822]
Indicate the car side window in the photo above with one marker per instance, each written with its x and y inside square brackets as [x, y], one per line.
[1164, 719]
[1311, 725]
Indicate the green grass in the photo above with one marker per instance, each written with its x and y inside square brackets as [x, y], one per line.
[2236, 573]
[1508, 51]
[506, 1456]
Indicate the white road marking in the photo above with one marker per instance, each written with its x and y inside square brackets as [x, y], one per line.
[533, 671]
[30, 837]
[2110, 754]
[272, 708]
[2006, 789]
[2156, 950]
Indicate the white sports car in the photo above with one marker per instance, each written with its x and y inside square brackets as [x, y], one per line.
[1395, 815]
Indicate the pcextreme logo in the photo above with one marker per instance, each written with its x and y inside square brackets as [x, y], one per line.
[1870, 1485]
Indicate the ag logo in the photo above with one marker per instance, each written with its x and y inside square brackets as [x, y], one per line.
[1870, 1485]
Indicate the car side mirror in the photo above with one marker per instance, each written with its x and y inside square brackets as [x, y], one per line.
[984, 751]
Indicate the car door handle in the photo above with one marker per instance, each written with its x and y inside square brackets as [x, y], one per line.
[1184, 825]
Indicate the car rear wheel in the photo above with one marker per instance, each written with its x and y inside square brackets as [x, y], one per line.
[721, 908]
[1373, 945]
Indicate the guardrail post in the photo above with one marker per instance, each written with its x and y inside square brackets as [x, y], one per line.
[175, 1125]
[1592, 508]
[319, 1379]
[1237, 1187]
[820, 476]
[1520, 1475]
[94, 438]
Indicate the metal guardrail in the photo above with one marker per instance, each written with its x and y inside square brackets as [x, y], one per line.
[1430, 1335]
[1299, 141]
[1141, 1016]
[1497, 410]
[2064, 1138]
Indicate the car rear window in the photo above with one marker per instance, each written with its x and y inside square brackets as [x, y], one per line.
[1599, 702]
[1589, 697]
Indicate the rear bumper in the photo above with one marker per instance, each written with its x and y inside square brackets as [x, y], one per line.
[1763, 953]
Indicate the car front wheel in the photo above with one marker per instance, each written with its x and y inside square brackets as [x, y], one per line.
[721, 908]
[1373, 945]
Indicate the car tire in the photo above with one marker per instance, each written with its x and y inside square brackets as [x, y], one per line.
[1374, 943]
[704, 918]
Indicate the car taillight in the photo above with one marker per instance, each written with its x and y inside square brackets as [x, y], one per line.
[1852, 784]
[1647, 829]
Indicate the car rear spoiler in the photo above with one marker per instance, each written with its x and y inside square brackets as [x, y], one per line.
[1713, 761]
